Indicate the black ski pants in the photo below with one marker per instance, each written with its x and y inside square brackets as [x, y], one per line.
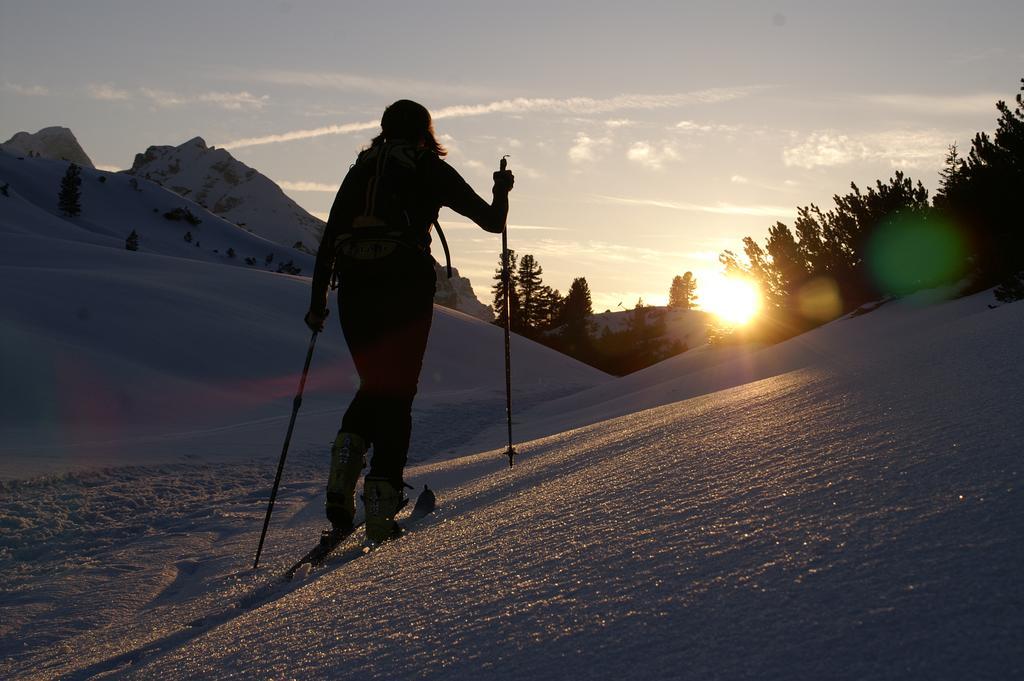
[386, 308]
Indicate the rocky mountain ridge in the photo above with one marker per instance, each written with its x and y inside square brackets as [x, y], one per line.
[55, 142]
[225, 186]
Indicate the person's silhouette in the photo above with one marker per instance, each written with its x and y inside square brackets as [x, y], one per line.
[377, 246]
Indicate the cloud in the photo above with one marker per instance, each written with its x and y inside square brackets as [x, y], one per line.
[619, 123]
[107, 92]
[824, 149]
[162, 98]
[693, 127]
[301, 134]
[899, 148]
[739, 179]
[512, 227]
[651, 156]
[303, 186]
[529, 172]
[590, 105]
[721, 208]
[706, 256]
[26, 90]
[522, 105]
[450, 143]
[232, 101]
[348, 82]
[602, 251]
[586, 149]
[939, 104]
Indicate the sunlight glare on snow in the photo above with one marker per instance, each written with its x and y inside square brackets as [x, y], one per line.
[734, 300]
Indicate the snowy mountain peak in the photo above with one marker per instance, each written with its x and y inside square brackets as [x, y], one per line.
[225, 186]
[222, 184]
[55, 142]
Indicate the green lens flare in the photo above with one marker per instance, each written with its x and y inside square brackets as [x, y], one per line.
[911, 251]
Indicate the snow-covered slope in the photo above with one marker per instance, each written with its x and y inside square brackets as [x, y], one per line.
[908, 323]
[53, 143]
[856, 518]
[216, 180]
[113, 205]
[844, 505]
[116, 347]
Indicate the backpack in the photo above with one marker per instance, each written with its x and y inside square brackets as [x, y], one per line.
[388, 174]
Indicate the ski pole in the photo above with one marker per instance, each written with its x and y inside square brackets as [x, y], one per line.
[507, 277]
[284, 451]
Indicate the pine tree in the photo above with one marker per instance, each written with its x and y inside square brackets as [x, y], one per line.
[578, 305]
[551, 303]
[69, 198]
[952, 170]
[499, 292]
[683, 293]
[575, 313]
[132, 242]
[982, 194]
[790, 263]
[530, 289]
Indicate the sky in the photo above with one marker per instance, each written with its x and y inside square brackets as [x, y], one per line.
[646, 137]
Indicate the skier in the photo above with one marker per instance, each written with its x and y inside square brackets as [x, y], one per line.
[377, 245]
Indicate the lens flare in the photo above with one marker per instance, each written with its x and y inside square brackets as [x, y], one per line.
[819, 299]
[733, 300]
[911, 251]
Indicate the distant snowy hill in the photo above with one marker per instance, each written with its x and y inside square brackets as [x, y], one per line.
[687, 327]
[114, 204]
[54, 143]
[225, 186]
[214, 179]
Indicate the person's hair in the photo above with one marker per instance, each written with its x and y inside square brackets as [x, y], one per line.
[408, 120]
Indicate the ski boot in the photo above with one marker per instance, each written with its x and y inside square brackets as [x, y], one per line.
[348, 458]
[383, 502]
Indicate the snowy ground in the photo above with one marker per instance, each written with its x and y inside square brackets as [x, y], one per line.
[858, 516]
[842, 505]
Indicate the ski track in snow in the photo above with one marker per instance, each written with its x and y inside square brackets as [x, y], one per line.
[850, 520]
[71, 544]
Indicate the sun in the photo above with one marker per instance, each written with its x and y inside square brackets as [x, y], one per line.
[733, 300]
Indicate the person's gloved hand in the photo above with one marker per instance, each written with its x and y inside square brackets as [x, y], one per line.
[503, 181]
[315, 319]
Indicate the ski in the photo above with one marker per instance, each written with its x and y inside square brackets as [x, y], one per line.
[329, 540]
[426, 502]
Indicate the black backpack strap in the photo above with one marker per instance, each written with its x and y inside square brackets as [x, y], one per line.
[444, 243]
